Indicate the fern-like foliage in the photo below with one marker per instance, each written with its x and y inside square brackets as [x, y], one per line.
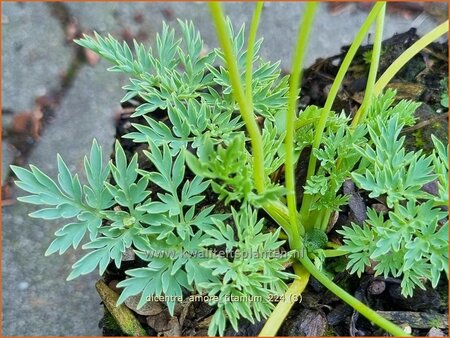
[166, 215]
[333, 172]
[337, 154]
[269, 91]
[199, 154]
[156, 77]
[68, 198]
[181, 80]
[231, 169]
[411, 240]
[254, 274]
[391, 170]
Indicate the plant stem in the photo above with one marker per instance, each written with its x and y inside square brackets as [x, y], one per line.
[280, 214]
[283, 307]
[123, 316]
[238, 92]
[320, 127]
[302, 123]
[334, 253]
[250, 46]
[374, 63]
[350, 300]
[395, 67]
[295, 79]
[276, 209]
[329, 284]
[408, 54]
[368, 94]
[325, 215]
[333, 245]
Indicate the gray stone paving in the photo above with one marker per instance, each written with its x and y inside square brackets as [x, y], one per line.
[7, 158]
[34, 286]
[34, 54]
[278, 26]
[36, 298]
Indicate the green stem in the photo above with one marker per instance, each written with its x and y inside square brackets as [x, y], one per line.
[277, 209]
[333, 245]
[368, 95]
[307, 199]
[280, 214]
[299, 123]
[295, 79]
[374, 63]
[350, 300]
[325, 219]
[395, 67]
[334, 253]
[408, 54]
[282, 309]
[250, 46]
[238, 92]
[282, 218]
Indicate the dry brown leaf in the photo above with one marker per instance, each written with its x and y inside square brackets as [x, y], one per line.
[91, 57]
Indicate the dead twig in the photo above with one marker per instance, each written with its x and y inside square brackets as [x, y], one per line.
[123, 315]
[426, 123]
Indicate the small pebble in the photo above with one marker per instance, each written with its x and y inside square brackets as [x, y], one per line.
[435, 332]
[113, 286]
[406, 328]
[377, 287]
[128, 255]
[349, 187]
[378, 207]
[431, 188]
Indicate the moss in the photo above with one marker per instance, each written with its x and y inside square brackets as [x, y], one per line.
[329, 332]
[419, 141]
[367, 55]
[444, 92]
[110, 323]
[435, 322]
[122, 315]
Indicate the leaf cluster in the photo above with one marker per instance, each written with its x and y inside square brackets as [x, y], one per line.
[410, 240]
[200, 152]
[251, 276]
[337, 154]
[162, 214]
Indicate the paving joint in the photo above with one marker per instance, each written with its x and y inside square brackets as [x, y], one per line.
[24, 141]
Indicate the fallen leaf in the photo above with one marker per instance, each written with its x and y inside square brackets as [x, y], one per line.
[72, 30]
[28, 122]
[149, 308]
[91, 57]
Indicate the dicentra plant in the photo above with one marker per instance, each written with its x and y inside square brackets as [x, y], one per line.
[233, 133]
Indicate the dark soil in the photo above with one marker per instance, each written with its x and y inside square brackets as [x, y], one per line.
[320, 313]
[420, 81]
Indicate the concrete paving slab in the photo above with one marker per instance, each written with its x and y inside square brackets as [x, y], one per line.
[279, 23]
[37, 300]
[34, 52]
[7, 158]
